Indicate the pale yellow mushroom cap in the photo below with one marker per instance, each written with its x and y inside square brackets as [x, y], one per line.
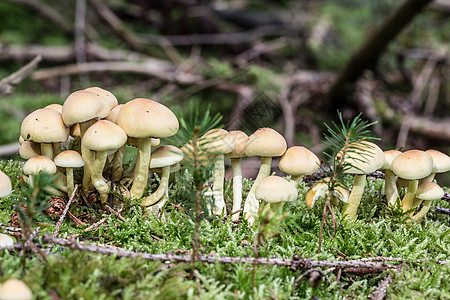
[38, 164]
[429, 191]
[240, 141]
[299, 161]
[114, 113]
[135, 142]
[6, 240]
[44, 125]
[316, 191]
[69, 159]
[366, 157]
[441, 161]
[389, 156]
[5, 185]
[144, 118]
[15, 289]
[107, 95]
[217, 141]
[274, 189]
[29, 149]
[103, 136]
[265, 142]
[81, 106]
[412, 165]
[55, 106]
[165, 156]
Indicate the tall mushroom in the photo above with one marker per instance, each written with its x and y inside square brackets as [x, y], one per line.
[44, 126]
[266, 143]
[390, 180]
[143, 119]
[102, 137]
[240, 140]
[163, 157]
[217, 142]
[364, 158]
[412, 165]
[298, 161]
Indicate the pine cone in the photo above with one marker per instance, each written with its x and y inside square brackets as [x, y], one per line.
[56, 208]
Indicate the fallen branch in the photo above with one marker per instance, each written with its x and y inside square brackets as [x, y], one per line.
[441, 210]
[9, 149]
[6, 84]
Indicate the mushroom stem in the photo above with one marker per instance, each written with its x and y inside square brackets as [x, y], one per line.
[359, 182]
[408, 199]
[70, 184]
[97, 177]
[429, 178]
[141, 169]
[274, 212]
[87, 156]
[47, 150]
[56, 148]
[426, 207]
[251, 204]
[297, 179]
[118, 163]
[390, 187]
[237, 186]
[60, 181]
[48, 189]
[219, 176]
[162, 188]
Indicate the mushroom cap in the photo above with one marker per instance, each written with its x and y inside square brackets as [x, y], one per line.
[274, 189]
[165, 156]
[81, 106]
[5, 185]
[44, 125]
[389, 156]
[107, 95]
[341, 194]
[173, 168]
[6, 240]
[441, 161]
[429, 191]
[412, 165]
[69, 159]
[29, 149]
[265, 142]
[365, 158]
[75, 130]
[135, 142]
[21, 140]
[298, 161]
[315, 192]
[55, 106]
[38, 164]
[240, 141]
[15, 289]
[103, 136]
[114, 113]
[144, 118]
[217, 141]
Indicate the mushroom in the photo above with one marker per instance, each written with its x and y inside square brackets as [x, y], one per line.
[69, 159]
[107, 95]
[84, 108]
[6, 240]
[163, 157]
[217, 142]
[102, 137]
[412, 165]
[365, 158]
[428, 192]
[266, 143]
[275, 191]
[390, 180]
[160, 204]
[29, 149]
[240, 140]
[5, 185]
[143, 119]
[298, 161]
[36, 165]
[44, 126]
[441, 164]
[320, 190]
[15, 289]
[57, 107]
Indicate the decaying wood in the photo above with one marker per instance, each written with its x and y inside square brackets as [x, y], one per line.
[9, 149]
[6, 84]
[441, 210]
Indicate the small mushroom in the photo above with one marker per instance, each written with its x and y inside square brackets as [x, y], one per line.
[298, 161]
[15, 289]
[29, 149]
[266, 143]
[428, 192]
[275, 191]
[69, 159]
[5, 185]
[441, 164]
[6, 240]
[412, 165]
[36, 165]
[163, 157]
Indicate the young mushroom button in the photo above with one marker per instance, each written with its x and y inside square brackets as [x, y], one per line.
[15, 289]
[298, 161]
[266, 143]
[5, 185]
[143, 119]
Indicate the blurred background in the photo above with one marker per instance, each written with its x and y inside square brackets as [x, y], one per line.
[287, 64]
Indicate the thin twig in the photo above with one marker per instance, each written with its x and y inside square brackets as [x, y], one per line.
[6, 84]
[116, 213]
